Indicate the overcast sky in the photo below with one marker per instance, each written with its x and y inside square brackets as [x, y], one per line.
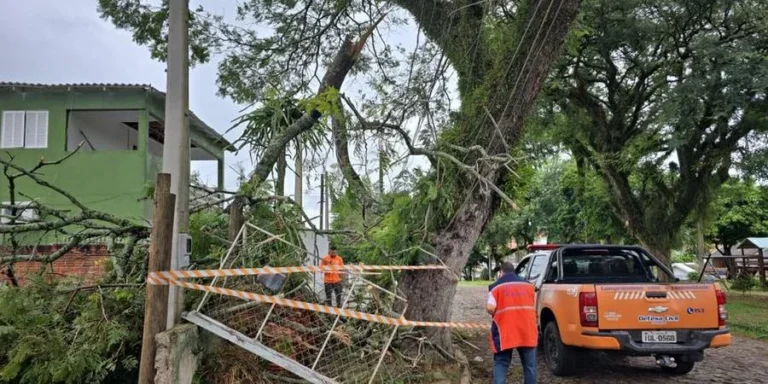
[58, 41]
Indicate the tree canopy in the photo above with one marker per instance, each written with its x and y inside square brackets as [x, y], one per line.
[739, 211]
[658, 97]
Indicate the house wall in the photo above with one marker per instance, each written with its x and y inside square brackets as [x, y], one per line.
[109, 181]
[86, 263]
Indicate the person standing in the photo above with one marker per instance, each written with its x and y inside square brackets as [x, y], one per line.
[512, 304]
[332, 279]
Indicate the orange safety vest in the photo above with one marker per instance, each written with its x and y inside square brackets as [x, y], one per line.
[332, 277]
[514, 322]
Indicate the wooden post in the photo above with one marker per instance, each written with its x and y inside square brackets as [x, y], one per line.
[156, 303]
[236, 218]
[761, 266]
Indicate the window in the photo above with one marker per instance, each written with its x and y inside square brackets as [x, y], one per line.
[24, 129]
[604, 265]
[552, 274]
[521, 268]
[25, 212]
[538, 267]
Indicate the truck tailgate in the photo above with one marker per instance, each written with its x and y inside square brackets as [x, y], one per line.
[657, 306]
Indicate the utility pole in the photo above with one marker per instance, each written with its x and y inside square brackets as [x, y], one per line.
[176, 144]
[381, 166]
[298, 188]
[327, 202]
[156, 303]
[322, 200]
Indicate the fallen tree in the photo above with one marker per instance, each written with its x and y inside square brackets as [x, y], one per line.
[500, 53]
[79, 225]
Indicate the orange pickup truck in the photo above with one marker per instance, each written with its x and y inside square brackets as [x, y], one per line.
[615, 299]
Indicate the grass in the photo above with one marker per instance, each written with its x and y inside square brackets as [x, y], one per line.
[748, 315]
[474, 283]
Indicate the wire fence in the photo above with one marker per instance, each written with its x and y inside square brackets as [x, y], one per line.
[342, 348]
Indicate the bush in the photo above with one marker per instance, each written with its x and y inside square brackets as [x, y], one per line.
[743, 283]
[683, 257]
[484, 274]
[693, 276]
[57, 333]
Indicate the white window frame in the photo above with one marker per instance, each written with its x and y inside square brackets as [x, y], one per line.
[28, 214]
[26, 120]
[7, 115]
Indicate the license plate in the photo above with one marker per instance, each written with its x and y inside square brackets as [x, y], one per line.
[659, 337]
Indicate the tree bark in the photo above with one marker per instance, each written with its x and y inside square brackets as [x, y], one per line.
[729, 262]
[430, 293]
[341, 143]
[663, 253]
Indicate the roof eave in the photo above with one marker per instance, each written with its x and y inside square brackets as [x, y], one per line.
[215, 137]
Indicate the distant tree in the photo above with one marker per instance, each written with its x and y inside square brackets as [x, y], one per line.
[568, 205]
[475, 260]
[740, 211]
[657, 97]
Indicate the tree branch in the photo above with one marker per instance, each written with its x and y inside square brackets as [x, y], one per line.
[88, 219]
[346, 57]
[339, 128]
[378, 126]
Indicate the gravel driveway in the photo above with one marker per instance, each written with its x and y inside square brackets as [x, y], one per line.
[746, 361]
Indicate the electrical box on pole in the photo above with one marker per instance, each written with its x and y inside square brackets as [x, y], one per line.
[185, 249]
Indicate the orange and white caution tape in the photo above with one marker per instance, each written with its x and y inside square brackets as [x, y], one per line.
[317, 307]
[180, 274]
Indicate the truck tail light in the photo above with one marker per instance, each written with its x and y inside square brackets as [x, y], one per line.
[588, 309]
[722, 313]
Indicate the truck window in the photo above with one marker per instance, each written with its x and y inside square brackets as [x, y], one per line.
[538, 267]
[522, 267]
[605, 265]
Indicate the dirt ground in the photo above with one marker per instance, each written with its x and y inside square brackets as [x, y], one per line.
[746, 361]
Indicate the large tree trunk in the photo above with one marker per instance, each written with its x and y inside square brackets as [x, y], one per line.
[663, 253]
[430, 294]
[730, 262]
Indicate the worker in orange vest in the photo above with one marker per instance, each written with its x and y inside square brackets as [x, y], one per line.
[332, 280]
[512, 304]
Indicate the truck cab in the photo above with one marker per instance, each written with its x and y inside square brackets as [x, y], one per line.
[532, 266]
[621, 299]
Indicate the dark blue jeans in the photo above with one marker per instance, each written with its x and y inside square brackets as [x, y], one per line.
[502, 360]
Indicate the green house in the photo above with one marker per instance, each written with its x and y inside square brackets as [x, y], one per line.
[116, 132]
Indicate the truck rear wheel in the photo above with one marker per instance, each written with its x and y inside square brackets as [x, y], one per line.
[560, 358]
[680, 368]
